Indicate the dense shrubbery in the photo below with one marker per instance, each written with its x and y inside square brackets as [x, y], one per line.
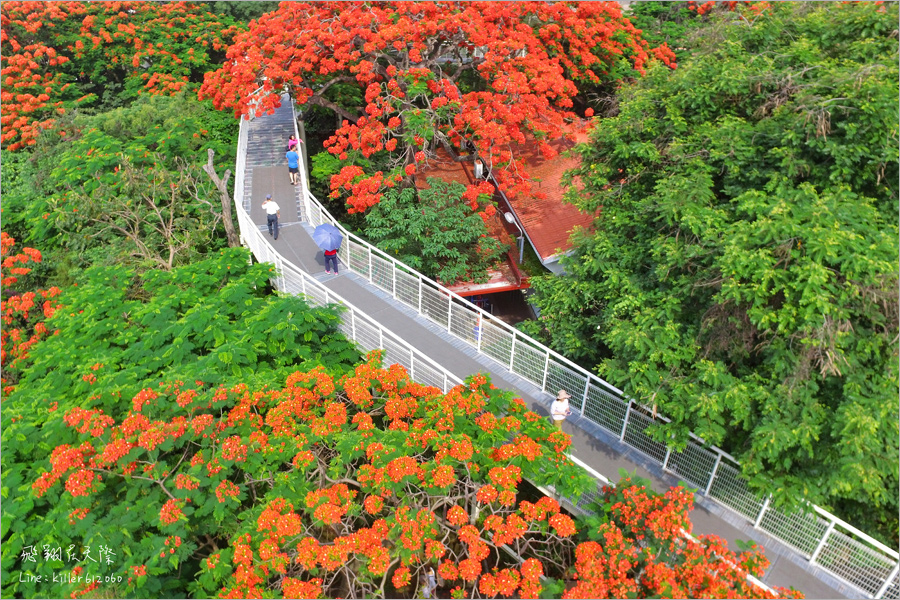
[435, 232]
[119, 333]
[742, 277]
[124, 187]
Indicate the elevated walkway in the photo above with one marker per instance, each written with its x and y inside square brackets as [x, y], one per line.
[458, 349]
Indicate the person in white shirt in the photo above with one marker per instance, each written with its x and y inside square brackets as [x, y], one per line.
[559, 410]
[273, 211]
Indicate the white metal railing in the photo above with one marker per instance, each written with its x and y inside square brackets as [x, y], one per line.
[589, 496]
[369, 334]
[355, 324]
[820, 537]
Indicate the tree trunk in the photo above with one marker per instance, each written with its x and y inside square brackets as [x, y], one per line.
[222, 185]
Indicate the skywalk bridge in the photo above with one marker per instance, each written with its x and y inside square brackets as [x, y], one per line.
[441, 338]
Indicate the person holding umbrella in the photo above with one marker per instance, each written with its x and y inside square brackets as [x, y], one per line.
[328, 238]
[331, 258]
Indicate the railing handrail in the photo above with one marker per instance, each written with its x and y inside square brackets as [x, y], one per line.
[330, 297]
[334, 298]
[312, 206]
[600, 477]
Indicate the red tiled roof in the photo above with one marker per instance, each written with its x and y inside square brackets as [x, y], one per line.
[444, 167]
[504, 276]
[548, 221]
[501, 279]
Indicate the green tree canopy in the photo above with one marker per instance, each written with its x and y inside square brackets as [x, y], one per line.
[435, 232]
[125, 186]
[742, 276]
[212, 323]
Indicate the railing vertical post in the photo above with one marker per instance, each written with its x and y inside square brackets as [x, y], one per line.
[712, 475]
[420, 295]
[584, 396]
[665, 464]
[546, 372]
[762, 511]
[307, 207]
[394, 279]
[815, 554]
[512, 352]
[887, 582]
[449, 311]
[381, 338]
[479, 332]
[303, 285]
[371, 276]
[353, 325]
[625, 422]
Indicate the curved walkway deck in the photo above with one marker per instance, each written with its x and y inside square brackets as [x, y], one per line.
[262, 170]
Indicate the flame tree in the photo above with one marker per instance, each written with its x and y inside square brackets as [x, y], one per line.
[327, 485]
[473, 78]
[23, 313]
[59, 56]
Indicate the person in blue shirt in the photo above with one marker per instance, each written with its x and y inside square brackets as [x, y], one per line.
[293, 165]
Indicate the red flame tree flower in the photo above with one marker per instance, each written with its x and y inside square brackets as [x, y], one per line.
[61, 55]
[358, 486]
[23, 313]
[474, 78]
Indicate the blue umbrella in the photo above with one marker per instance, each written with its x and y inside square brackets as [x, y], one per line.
[327, 237]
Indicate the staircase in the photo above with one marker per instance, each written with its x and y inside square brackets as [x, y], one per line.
[267, 144]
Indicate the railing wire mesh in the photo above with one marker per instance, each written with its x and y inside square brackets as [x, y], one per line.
[861, 561]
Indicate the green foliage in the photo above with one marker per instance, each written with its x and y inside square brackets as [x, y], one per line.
[128, 183]
[324, 165]
[208, 324]
[18, 192]
[240, 11]
[436, 233]
[743, 274]
[665, 23]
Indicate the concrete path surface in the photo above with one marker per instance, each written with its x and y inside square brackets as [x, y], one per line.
[267, 174]
[591, 444]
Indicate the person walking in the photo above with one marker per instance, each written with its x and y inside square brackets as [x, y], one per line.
[273, 211]
[559, 410]
[292, 143]
[328, 238]
[331, 259]
[293, 164]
